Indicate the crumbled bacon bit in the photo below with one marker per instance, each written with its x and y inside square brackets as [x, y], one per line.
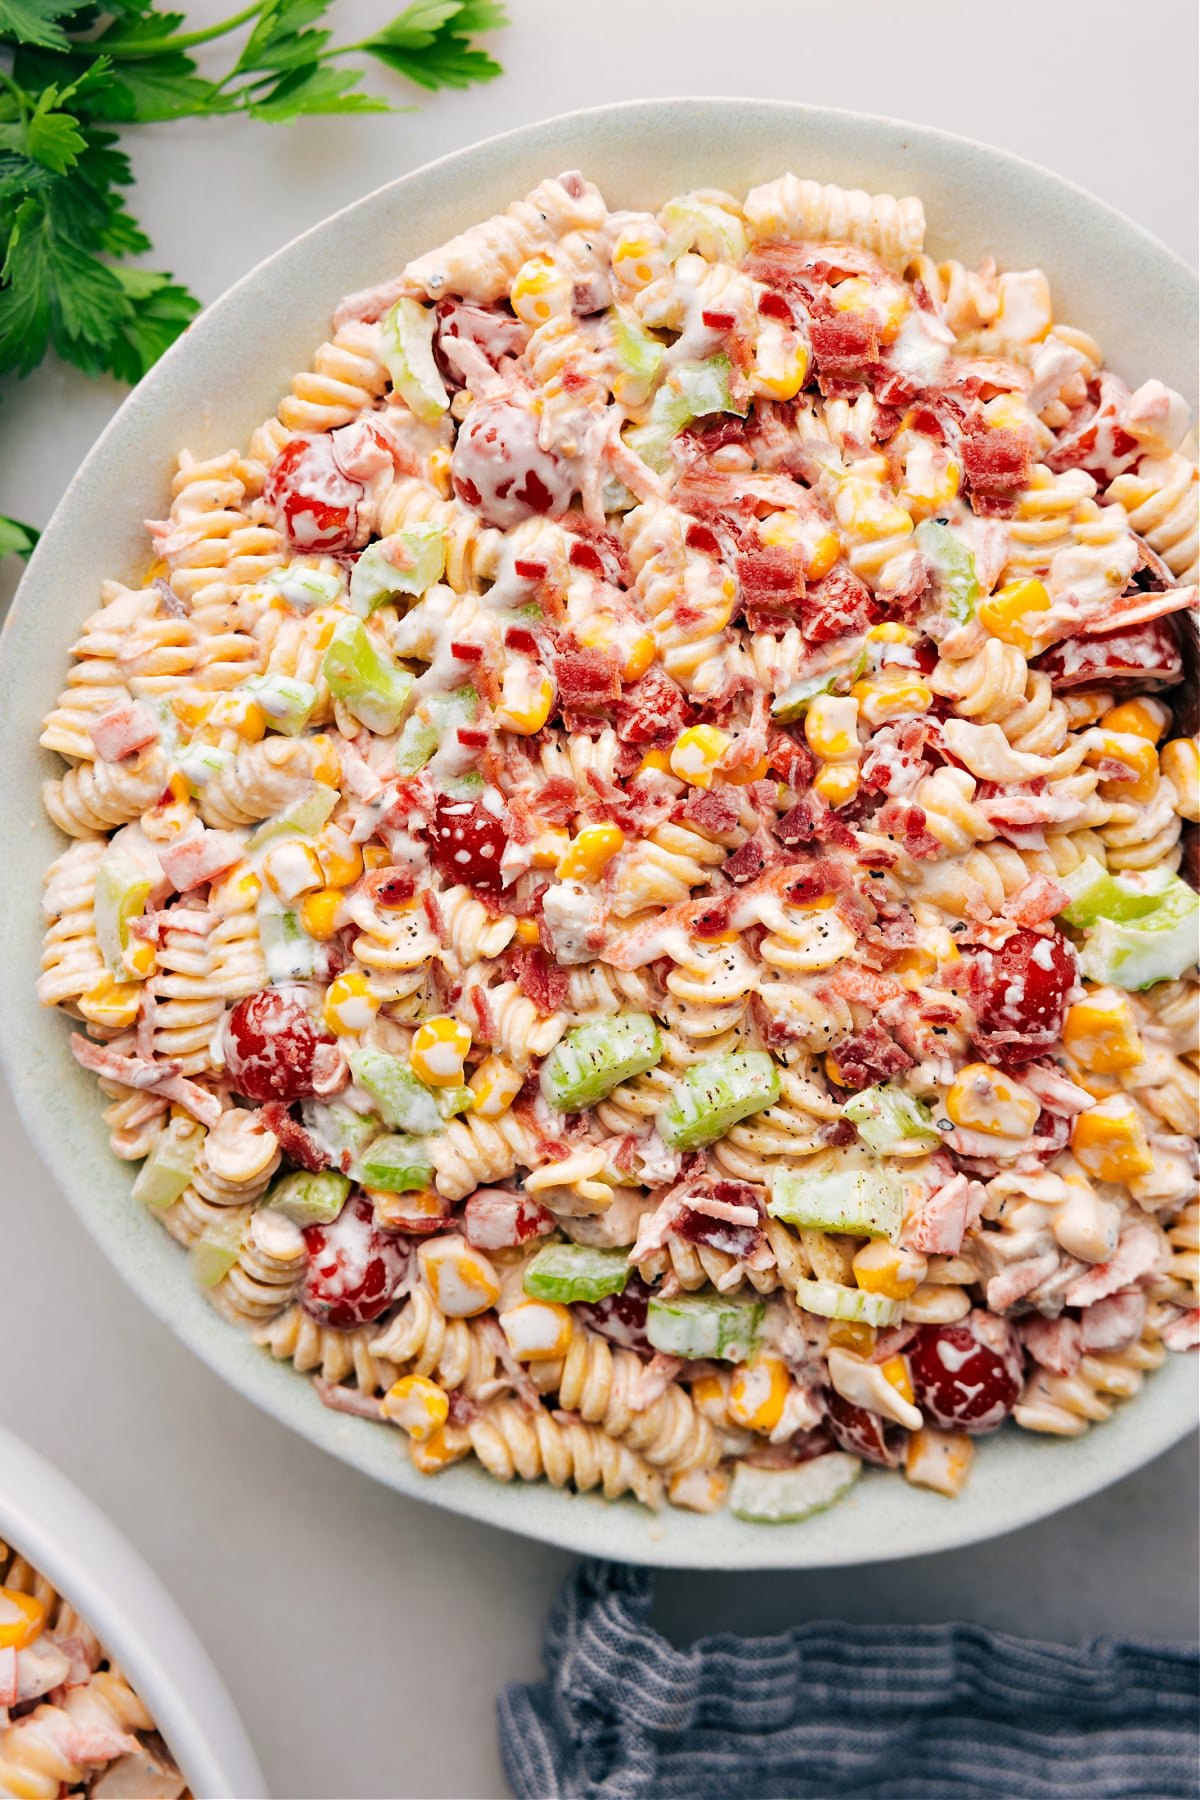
[654, 708]
[713, 809]
[870, 1056]
[838, 604]
[587, 679]
[294, 1140]
[543, 982]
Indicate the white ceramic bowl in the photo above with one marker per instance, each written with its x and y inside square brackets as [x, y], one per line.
[74, 1546]
[209, 391]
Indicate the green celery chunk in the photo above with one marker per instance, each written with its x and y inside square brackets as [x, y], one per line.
[574, 1272]
[638, 352]
[168, 1168]
[377, 578]
[1095, 894]
[433, 719]
[690, 391]
[716, 1094]
[122, 888]
[720, 1326]
[954, 566]
[695, 224]
[784, 1496]
[451, 1101]
[594, 1058]
[397, 1165]
[309, 1199]
[830, 1300]
[285, 699]
[198, 763]
[408, 332]
[304, 589]
[891, 1122]
[1159, 946]
[404, 1102]
[288, 951]
[374, 690]
[343, 1133]
[795, 701]
[215, 1252]
[302, 817]
[866, 1202]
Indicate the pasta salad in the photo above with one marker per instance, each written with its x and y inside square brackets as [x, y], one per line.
[69, 1721]
[623, 873]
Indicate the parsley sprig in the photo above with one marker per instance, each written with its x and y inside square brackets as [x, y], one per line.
[72, 76]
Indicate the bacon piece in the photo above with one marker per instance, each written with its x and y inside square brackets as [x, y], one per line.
[350, 1400]
[587, 679]
[838, 604]
[294, 1140]
[940, 1221]
[156, 1077]
[790, 759]
[903, 820]
[1183, 1331]
[1137, 1254]
[770, 580]
[1038, 900]
[1019, 1279]
[1114, 1323]
[746, 862]
[502, 1219]
[870, 1056]
[1057, 1344]
[123, 731]
[543, 982]
[193, 860]
[713, 809]
[997, 462]
[654, 707]
[1148, 654]
[844, 343]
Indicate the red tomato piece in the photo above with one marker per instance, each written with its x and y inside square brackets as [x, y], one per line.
[967, 1377]
[466, 842]
[864, 1433]
[621, 1318]
[501, 470]
[275, 1050]
[314, 502]
[354, 1267]
[1022, 1009]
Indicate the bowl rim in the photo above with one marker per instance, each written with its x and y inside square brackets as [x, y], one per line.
[560, 1518]
[66, 1537]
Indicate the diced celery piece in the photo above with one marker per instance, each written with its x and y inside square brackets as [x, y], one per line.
[784, 1496]
[638, 352]
[309, 1199]
[433, 719]
[723, 1326]
[290, 954]
[594, 1058]
[830, 1300]
[122, 888]
[954, 566]
[398, 1165]
[404, 1102]
[716, 1094]
[574, 1272]
[304, 589]
[408, 352]
[1095, 894]
[866, 1202]
[1159, 946]
[795, 701]
[891, 1122]
[341, 1132]
[198, 763]
[304, 815]
[286, 700]
[451, 1101]
[695, 224]
[168, 1168]
[374, 690]
[215, 1253]
[690, 391]
[377, 577]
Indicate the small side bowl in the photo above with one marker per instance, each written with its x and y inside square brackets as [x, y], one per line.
[65, 1537]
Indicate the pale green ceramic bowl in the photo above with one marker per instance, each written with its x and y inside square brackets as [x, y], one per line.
[209, 392]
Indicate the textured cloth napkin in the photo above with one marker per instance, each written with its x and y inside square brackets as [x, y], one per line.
[927, 1712]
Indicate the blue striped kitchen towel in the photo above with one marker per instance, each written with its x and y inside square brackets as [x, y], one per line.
[841, 1712]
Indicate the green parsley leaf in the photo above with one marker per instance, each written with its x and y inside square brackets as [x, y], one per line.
[34, 22]
[52, 137]
[16, 539]
[315, 89]
[428, 43]
[158, 311]
[281, 39]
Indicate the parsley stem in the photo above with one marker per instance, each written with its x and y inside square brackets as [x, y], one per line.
[142, 48]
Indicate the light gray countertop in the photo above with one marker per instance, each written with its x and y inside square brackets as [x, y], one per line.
[364, 1636]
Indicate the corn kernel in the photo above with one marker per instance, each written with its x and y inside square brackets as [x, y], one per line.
[892, 632]
[636, 259]
[849, 1336]
[549, 847]
[696, 753]
[590, 852]
[940, 1460]
[238, 713]
[1180, 763]
[659, 760]
[837, 783]
[822, 556]
[462, 1280]
[350, 1004]
[292, 869]
[376, 856]
[748, 772]
[831, 728]
[526, 697]
[1135, 756]
[418, 1405]
[540, 290]
[236, 892]
[538, 1330]
[887, 303]
[328, 765]
[140, 959]
[780, 366]
[832, 1071]
[1139, 718]
[432, 1454]
[191, 708]
[1004, 612]
[913, 968]
[1110, 1141]
[439, 1051]
[985, 1099]
[495, 1085]
[699, 1490]
[111, 1002]
[22, 1618]
[895, 1372]
[883, 1268]
[640, 654]
[340, 857]
[1099, 1033]
[757, 1393]
[320, 913]
[892, 697]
